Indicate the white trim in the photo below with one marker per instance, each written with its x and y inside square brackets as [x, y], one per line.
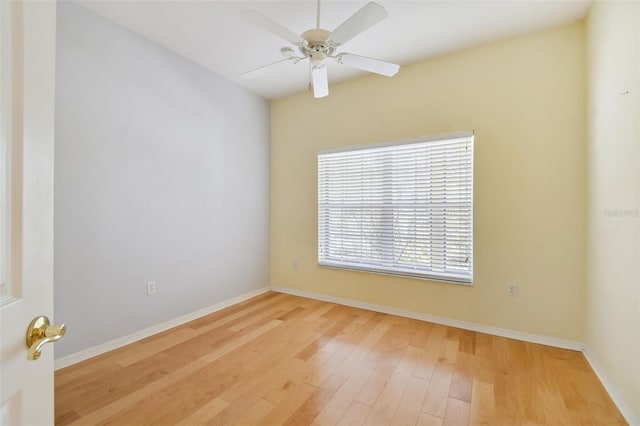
[496, 331]
[125, 340]
[625, 409]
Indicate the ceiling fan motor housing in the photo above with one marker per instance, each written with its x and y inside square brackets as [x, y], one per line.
[318, 45]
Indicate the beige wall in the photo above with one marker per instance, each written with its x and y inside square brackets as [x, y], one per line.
[525, 100]
[613, 278]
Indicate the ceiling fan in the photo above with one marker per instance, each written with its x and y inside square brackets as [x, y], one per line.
[318, 45]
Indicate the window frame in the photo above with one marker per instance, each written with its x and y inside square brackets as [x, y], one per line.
[437, 276]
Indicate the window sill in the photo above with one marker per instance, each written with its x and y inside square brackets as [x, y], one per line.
[422, 277]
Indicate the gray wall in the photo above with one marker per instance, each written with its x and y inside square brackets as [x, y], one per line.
[162, 173]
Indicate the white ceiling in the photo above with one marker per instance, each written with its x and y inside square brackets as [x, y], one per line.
[212, 34]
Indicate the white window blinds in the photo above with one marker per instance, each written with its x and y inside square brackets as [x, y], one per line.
[402, 209]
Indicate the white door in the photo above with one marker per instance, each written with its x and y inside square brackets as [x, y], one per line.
[27, 66]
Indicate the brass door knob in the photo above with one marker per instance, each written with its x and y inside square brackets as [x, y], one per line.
[41, 332]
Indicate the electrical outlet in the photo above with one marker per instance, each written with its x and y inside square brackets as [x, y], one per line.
[512, 290]
[151, 288]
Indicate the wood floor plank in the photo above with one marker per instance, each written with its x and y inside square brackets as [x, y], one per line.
[462, 381]
[257, 388]
[376, 383]
[294, 336]
[146, 370]
[468, 342]
[421, 336]
[408, 411]
[385, 406]
[270, 312]
[392, 343]
[81, 370]
[438, 393]
[428, 420]
[148, 349]
[149, 389]
[232, 313]
[316, 401]
[340, 346]
[482, 411]
[205, 413]
[409, 361]
[282, 359]
[251, 416]
[66, 417]
[319, 312]
[327, 335]
[449, 351]
[384, 358]
[181, 401]
[340, 402]
[425, 364]
[457, 413]
[105, 412]
[355, 415]
[259, 385]
[380, 325]
[484, 365]
[297, 395]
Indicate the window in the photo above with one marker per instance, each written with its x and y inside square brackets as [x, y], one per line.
[399, 208]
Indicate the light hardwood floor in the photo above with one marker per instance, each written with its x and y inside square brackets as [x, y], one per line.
[280, 359]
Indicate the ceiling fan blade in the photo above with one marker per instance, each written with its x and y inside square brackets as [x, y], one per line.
[257, 72]
[365, 18]
[320, 81]
[368, 64]
[271, 26]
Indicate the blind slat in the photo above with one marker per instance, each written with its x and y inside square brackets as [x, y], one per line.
[400, 209]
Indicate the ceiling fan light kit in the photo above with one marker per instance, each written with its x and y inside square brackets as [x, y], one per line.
[318, 44]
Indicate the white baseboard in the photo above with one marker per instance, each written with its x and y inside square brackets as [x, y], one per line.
[125, 340]
[625, 409]
[627, 412]
[496, 331]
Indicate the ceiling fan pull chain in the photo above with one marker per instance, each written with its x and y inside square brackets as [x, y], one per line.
[318, 16]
